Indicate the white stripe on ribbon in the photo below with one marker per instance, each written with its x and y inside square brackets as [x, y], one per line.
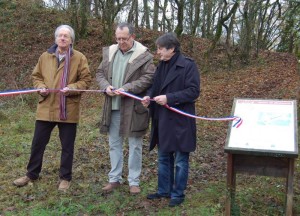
[232, 118]
[238, 120]
[9, 93]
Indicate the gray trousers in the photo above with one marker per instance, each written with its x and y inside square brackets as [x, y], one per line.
[116, 153]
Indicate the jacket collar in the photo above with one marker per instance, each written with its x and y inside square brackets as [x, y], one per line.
[53, 48]
[174, 73]
[138, 50]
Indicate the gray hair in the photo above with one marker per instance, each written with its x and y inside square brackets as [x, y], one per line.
[168, 41]
[71, 30]
[124, 25]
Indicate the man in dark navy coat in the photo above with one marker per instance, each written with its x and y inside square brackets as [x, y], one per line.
[176, 84]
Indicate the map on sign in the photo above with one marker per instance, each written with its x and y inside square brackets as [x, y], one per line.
[267, 125]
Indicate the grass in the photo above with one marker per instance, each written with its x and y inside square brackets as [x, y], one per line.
[206, 192]
[205, 195]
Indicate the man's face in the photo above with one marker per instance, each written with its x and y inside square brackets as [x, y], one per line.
[63, 39]
[124, 39]
[165, 54]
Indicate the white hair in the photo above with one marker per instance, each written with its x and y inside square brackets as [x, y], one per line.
[72, 33]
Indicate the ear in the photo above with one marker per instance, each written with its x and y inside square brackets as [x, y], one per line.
[133, 36]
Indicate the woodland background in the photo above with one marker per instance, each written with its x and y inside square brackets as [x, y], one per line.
[244, 49]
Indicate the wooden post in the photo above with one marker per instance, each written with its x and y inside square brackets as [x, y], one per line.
[230, 184]
[289, 188]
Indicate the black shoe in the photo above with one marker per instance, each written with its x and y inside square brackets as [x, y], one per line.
[175, 202]
[157, 196]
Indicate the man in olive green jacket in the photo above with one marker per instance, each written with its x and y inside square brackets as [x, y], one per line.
[59, 72]
[126, 66]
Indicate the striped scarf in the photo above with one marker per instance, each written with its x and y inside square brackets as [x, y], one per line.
[63, 83]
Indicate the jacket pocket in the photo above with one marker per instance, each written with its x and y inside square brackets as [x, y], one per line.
[73, 99]
[42, 98]
[140, 118]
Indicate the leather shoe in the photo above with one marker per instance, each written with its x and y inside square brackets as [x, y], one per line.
[20, 182]
[134, 189]
[175, 202]
[157, 196]
[64, 185]
[111, 186]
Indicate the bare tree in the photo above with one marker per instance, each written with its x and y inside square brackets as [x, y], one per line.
[146, 14]
[84, 11]
[207, 19]
[166, 24]
[290, 37]
[267, 28]
[110, 10]
[254, 24]
[74, 17]
[180, 14]
[155, 14]
[229, 33]
[195, 23]
[249, 16]
[133, 15]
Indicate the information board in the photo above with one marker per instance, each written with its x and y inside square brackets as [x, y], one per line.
[268, 126]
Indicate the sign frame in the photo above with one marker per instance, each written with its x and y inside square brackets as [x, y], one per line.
[266, 162]
[263, 152]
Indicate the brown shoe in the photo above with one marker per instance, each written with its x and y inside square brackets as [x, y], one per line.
[111, 186]
[64, 185]
[20, 182]
[135, 189]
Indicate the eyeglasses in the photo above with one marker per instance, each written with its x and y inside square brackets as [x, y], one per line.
[63, 36]
[123, 39]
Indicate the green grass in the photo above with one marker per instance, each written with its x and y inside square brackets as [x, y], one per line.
[205, 195]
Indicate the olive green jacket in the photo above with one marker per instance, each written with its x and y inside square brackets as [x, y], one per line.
[138, 78]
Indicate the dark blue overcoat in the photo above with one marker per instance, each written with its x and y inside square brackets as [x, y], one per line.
[172, 131]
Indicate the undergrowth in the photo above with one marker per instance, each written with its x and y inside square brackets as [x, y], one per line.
[205, 195]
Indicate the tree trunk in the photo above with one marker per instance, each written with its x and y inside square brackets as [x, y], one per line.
[146, 14]
[249, 16]
[155, 15]
[74, 17]
[84, 10]
[131, 12]
[196, 22]
[136, 20]
[179, 27]
[110, 10]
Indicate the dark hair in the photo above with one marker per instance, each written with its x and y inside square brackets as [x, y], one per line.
[128, 25]
[168, 41]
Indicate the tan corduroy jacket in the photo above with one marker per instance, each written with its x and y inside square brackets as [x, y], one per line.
[47, 74]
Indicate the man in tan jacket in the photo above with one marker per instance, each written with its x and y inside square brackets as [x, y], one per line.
[126, 66]
[59, 72]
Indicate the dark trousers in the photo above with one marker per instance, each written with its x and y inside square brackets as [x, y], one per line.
[67, 134]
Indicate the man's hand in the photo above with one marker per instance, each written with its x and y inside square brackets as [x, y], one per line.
[110, 91]
[117, 91]
[65, 91]
[161, 100]
[145, 101]
[44, 92]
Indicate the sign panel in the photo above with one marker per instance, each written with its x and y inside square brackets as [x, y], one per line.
[268, 126]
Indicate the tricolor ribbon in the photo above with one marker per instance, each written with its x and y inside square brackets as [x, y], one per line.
[237, 124]
[28, 91]
[237, 120]
[13, 92]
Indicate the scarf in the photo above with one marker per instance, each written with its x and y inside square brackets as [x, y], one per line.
[63, 83]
